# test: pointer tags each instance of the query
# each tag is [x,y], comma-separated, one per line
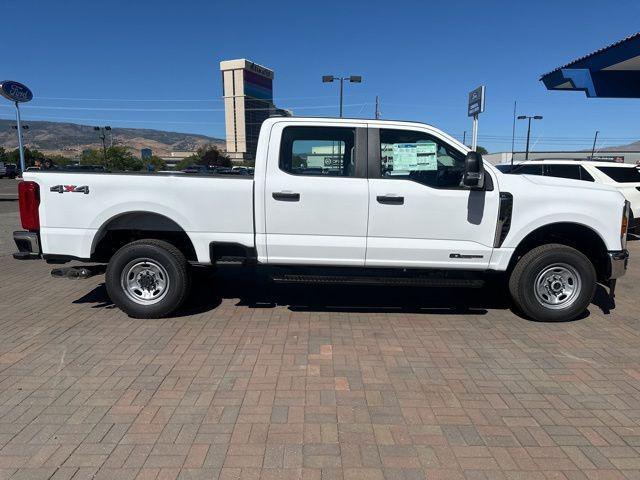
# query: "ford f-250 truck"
[335,200]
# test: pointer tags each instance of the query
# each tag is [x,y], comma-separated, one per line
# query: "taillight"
[29,199]
[624,228]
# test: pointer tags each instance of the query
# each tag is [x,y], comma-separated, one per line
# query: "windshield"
[622,174]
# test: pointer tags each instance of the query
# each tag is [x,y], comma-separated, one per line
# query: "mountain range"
[70,139]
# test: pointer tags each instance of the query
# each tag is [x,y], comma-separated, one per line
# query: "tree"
[92,157]
[30,156]
[119,158]
[155,162]
[481,150]
[207,155]
[3,155]
[210,156]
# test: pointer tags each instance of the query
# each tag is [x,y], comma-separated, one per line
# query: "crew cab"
[330,201]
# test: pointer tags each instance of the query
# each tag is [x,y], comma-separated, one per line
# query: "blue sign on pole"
[15,91]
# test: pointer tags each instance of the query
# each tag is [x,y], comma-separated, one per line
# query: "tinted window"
[622,174]
[529,170]
[417,156]
[584,175]
[324,151]
[521,169]
[563,171]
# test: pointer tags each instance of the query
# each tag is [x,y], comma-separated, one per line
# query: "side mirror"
[473,171]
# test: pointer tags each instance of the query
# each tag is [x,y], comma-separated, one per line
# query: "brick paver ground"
[368,388]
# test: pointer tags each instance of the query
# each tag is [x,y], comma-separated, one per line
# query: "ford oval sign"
[15,91]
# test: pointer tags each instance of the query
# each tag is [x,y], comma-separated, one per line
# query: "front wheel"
[553,283]
[148,278]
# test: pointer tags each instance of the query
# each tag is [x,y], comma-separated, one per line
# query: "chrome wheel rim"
[145,281]
[557,286]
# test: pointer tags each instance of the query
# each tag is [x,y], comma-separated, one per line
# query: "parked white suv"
[624,177]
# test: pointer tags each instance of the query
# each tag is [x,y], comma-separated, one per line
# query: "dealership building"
[248,101]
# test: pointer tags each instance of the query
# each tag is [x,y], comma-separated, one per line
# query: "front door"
[316,195]
[420,214]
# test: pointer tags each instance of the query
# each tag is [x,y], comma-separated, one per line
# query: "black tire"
[580,272]
[166,260]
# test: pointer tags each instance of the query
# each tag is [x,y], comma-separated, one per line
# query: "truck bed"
[207,208]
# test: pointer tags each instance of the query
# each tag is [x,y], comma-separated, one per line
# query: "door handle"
[286,196]
[390,200]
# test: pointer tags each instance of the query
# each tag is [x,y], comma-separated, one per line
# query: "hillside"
[631,147]
[70,139]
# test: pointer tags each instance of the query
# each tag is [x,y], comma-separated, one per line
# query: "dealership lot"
[324,383]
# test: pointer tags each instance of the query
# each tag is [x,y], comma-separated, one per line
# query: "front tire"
[148,278]
[553,283]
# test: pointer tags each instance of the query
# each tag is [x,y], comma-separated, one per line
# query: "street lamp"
[351,78]
[102,137]
[529,117]
[24,127]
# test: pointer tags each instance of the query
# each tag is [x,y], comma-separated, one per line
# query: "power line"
[116,109]
[158,100]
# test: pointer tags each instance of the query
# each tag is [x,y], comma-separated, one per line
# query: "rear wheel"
[148,278]
[553,283]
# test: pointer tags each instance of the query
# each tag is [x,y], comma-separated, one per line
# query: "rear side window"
[584,175]
[563,171]
[528,170]
[318,151]
[622,174]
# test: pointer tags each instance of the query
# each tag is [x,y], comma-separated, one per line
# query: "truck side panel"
[206,208]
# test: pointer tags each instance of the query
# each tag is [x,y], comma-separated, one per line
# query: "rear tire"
[148,278]
[553,283]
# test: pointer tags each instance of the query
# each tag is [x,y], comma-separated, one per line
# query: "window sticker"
[413,157]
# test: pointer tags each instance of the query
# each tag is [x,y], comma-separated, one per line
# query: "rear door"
[420,214]
[316,194]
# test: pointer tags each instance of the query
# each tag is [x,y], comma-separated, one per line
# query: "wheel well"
[580,237]
[132,226]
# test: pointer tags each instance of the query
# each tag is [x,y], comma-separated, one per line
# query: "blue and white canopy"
[611,72]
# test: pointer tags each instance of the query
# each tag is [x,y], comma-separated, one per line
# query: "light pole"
[103,137]
[351,78]
[529,117]
[24,127]
[595,139]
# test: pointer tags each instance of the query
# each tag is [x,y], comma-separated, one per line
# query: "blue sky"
[154,64]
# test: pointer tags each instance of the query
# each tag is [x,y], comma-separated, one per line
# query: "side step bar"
[371,280]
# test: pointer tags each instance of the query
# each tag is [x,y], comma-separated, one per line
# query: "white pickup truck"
[336,200]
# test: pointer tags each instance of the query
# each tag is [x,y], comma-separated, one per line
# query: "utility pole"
[377,108]
[593,149]
[513,131]
[464,137]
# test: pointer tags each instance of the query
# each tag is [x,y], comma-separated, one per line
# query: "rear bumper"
[618,261]
[28,244]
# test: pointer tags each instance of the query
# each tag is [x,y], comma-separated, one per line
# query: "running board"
[389,281]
